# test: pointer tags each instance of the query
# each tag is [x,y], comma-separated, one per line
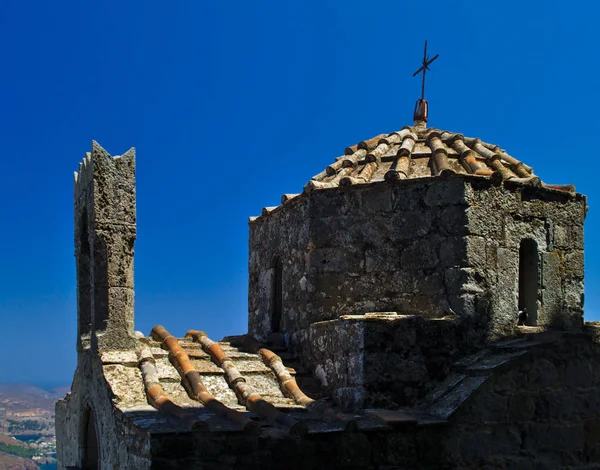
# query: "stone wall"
[363,249]
[498,219]
[121,445]
[363,449]
[379,248]
[429,247]
[283,235]
[542,413]
[386,361]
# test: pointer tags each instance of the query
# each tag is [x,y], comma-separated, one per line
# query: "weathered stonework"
[346,252]
[419,305]
[500,218]
[105,233]
[530,402]
[386,360]
[94,387]
[425,247]
[538,410]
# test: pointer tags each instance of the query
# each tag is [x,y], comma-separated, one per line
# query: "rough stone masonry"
[391,288]
[431,247]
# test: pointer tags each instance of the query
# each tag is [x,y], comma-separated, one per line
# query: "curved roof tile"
[418,152]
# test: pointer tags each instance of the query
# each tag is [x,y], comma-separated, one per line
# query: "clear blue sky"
[230,105]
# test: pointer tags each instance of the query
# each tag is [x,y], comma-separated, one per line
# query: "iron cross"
[424,68]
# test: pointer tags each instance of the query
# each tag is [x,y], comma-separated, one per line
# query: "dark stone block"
[543,375]
[592,439]
[353,451]
[334,203]
[489,407]
[421,254]
[446,193]
[409,224]
[521,408]
[407,196]
[176,446]
[386,258]
[376,199]
[394,450]
[578,373]
[337,260]
[543,436]
[392,367]
[453,220]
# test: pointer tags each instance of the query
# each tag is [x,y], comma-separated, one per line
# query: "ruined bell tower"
[105,233]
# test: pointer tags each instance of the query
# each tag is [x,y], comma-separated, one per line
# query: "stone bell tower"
[105,233]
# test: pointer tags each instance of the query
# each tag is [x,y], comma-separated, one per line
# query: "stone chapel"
[419,305]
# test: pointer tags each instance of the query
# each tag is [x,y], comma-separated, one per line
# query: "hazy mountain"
[22,397]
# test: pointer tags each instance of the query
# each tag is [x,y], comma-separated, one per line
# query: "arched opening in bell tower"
[528,279]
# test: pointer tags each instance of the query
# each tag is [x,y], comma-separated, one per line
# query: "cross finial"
[421,106]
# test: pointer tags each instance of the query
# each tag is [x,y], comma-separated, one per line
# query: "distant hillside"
[21,397]
[27,413]
[9,440]
[59,392]
[10,462]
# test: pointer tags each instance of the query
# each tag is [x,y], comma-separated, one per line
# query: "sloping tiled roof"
[193,381]
[417,152]
[181,379]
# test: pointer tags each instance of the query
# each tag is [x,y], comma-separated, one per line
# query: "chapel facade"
[418,305]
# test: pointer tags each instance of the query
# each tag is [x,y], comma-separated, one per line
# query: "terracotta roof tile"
[248,392]
[418,152]
[192,381]
[234,384]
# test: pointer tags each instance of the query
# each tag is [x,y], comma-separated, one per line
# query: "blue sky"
[230,105]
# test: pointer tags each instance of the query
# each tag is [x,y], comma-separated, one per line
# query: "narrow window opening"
[100,288]
[528,280]
[84,234]
[91,452]
[84,300]
[277,295]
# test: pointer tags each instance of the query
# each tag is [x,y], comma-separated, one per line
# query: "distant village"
[27,436]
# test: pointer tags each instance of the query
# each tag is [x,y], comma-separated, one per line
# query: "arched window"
[276,295]
[528,279]
[90,450]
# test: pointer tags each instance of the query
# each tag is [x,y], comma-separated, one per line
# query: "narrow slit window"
[84,300]
[528,280]
[277,295]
